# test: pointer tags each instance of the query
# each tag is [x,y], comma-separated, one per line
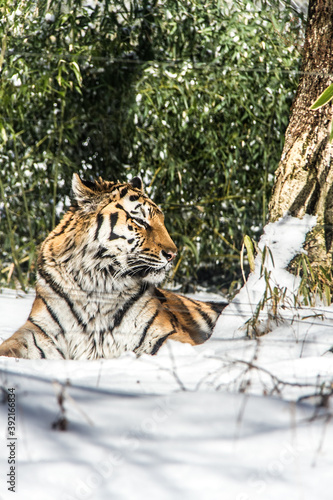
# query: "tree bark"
[304,178]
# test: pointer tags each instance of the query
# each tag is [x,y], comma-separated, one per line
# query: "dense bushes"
[193,96]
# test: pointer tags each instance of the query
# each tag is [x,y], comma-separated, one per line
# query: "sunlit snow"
[235,418]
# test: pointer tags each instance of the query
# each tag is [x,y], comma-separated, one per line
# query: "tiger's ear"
[82,191]
[136,182]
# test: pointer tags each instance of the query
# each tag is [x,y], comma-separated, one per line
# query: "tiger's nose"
[169,255]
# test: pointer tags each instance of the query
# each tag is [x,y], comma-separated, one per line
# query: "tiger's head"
[122,230]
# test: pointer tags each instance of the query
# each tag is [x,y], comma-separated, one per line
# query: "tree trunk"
[304,178]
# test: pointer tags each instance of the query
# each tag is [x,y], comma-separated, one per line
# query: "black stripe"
[100,254]
[195,330]
[192,323]
[52,314]
[114,236]
[59,291]
[134,197]
[100,220]
[162,298]
[65,225]
[84,250]
[184,310]
[123,192]
[121,312]
[160,295]
[71,247]
[123,209]
[217,307]
[160,342]
[202,313]
[45,335]
[145,331]
[68,250]
[114,219]
[107,272]
[42,353]
[136,245]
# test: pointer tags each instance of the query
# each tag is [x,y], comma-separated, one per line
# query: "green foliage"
[194,96]
[323,99]
[316,283]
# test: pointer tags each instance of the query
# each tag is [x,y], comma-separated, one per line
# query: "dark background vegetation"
[193,96]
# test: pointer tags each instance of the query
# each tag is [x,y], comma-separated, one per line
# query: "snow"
[284,240]
[236,418]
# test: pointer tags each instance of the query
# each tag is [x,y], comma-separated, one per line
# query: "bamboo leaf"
[327,291]
[250,251]
[190,245]
[324,98]
[77,72]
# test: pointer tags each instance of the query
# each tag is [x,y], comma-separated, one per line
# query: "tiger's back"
[98,271]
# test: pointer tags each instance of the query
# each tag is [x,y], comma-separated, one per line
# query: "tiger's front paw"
[13,349]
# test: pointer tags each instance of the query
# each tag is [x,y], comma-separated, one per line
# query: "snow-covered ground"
[236,418]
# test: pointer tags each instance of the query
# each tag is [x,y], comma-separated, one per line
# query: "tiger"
[98,272]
